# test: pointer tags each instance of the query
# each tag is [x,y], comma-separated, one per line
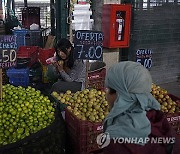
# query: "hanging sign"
[88,45]
[144,56]
[7,51]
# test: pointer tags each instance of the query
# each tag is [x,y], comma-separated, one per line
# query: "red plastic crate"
[96,79]
[30,52]
[174,119]
[82,134]
[44,54]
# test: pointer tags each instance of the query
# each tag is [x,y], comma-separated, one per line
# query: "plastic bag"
[34,27]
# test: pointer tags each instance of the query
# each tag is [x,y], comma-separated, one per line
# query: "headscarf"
[127,118]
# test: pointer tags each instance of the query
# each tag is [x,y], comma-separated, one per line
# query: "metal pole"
[8,3]
[25,3]
[8,8]
[52,10]
[13,6]
[61,18]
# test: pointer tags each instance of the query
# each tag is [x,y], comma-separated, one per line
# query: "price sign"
[7,54]
[88,45]
[7,51]
[144,56]
[8,42]
[7,58]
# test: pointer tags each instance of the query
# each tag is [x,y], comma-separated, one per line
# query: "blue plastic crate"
[18,77]
[21,36]
[34,38]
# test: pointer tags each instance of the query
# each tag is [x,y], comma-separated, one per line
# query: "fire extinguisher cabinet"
[116,25]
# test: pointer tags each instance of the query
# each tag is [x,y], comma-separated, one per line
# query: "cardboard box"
[50,42]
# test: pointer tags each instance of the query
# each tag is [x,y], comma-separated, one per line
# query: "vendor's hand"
[59,67]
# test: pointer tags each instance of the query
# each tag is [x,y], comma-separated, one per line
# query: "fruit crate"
[174,119]
[34,38]
[29,52]
[18,77]
[44,54]
[82,134]
[96,79]
[22,63]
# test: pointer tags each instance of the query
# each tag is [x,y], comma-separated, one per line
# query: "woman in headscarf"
[134,113]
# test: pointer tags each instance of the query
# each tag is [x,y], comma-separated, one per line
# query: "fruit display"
[88,104]
[23,111]
[167,104]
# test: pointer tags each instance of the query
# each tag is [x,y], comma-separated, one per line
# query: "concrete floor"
[172,88]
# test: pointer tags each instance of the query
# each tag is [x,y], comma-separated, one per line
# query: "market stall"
[31,120]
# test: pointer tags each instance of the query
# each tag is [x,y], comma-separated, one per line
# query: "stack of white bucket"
[82,20]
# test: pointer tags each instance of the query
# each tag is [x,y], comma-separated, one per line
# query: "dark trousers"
[62,86]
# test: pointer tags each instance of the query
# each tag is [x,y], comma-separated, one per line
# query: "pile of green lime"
[23,111]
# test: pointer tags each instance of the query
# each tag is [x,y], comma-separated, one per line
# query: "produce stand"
[174,119]
[30,122]
[95,79]
[84,116]
[49,140]
[82,133]
[82,123]
[170,105]
[81,129]
[36,124]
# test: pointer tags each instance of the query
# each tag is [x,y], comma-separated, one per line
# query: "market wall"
[157,29]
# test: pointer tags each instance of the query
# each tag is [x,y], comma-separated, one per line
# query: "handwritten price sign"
[7,51]
[88,45]
[144,56]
